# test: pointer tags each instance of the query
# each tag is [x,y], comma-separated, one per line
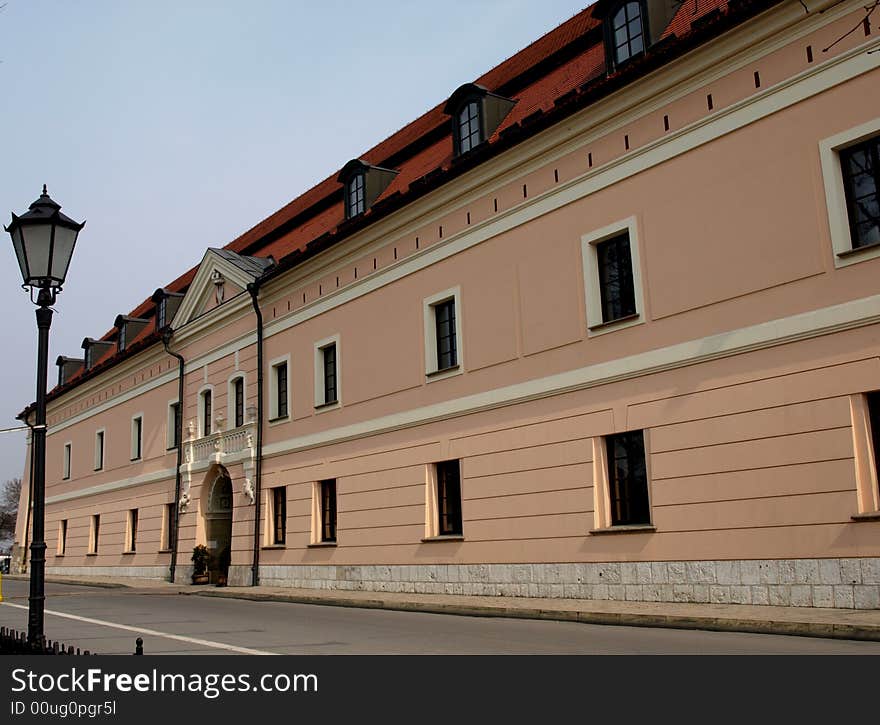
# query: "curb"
[621,619]
[76,582]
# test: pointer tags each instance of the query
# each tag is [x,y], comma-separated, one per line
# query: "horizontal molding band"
[166,473]
[804,326]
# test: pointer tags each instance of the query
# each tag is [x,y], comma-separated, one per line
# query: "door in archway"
[218,527]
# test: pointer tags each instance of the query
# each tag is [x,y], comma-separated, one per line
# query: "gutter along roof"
[558,75]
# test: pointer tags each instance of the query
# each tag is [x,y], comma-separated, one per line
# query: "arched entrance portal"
[218,525]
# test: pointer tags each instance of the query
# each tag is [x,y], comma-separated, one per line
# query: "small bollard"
[139,646]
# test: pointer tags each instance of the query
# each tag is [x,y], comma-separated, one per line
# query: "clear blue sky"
[173,126]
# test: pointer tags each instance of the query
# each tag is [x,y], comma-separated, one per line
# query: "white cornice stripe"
[804,326]
[154,383]
[747,111]
[167,473]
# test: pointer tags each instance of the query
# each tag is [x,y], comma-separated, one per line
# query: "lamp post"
[43,239]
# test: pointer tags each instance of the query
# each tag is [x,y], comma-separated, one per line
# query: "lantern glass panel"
[64,241]
[36,246]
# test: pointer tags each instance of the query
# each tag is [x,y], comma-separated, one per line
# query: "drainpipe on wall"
[166,339]
[253,289]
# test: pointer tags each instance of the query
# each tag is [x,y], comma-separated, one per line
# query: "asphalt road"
[107,621]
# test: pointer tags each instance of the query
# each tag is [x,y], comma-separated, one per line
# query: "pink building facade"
[603,325]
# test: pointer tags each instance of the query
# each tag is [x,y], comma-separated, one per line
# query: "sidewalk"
[801,621]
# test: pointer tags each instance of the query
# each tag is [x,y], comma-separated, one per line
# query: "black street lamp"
[43,239]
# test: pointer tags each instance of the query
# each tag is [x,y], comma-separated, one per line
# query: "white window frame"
[316,536]
[429,304]
[130,541]
[230,398]
[169,426]
[273,390]
[61,545]
[100,449]
[134,446]
[867,489]
[602,519]
[320,404]
[66,455]
[592,292]
[167,517]
[835,195]
[94,533]
[200,423]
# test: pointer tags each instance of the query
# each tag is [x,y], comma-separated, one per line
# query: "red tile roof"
[320,210]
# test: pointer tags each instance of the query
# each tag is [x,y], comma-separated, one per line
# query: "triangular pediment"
[222,276]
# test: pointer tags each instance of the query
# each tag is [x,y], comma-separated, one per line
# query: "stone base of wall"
[841,583]
[239,575]
[140,572]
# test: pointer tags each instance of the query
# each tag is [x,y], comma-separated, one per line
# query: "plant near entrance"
[200,557]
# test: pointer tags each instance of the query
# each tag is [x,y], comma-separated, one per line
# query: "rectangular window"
[449,498]
[65,463]
[99,450]
[860,166]
[443,343]
[447,350]
[206,413]
[137,430]
[238,393]
[281,389]
[329,355]
[173,437]
[168,528]
[612,277]
[627,479]
[94,533]
[62,538]
[616,286]
[873,400]
[131,530]
[279,514]
[328,510]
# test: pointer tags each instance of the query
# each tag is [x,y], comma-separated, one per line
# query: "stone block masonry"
[840,583]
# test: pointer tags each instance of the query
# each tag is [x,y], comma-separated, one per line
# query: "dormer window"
[469,134]
[627,32]
[94,350]
[166,306]
[362,184]
[354,196]
[129,328]
[67,368]
[476,114]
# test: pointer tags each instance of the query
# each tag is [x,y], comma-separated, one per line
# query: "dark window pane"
[444,317]
[175,422]
[449,498]
[330,374]
[628,32]
[206,410]
[469,134]
[281,387]
[861,178]
[279,506]
[239,402]
[616,287]
[356,196]
[628,479]
[874,416]
[134,530]
[328,510]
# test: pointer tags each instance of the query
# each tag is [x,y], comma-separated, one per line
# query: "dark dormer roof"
[252,266]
